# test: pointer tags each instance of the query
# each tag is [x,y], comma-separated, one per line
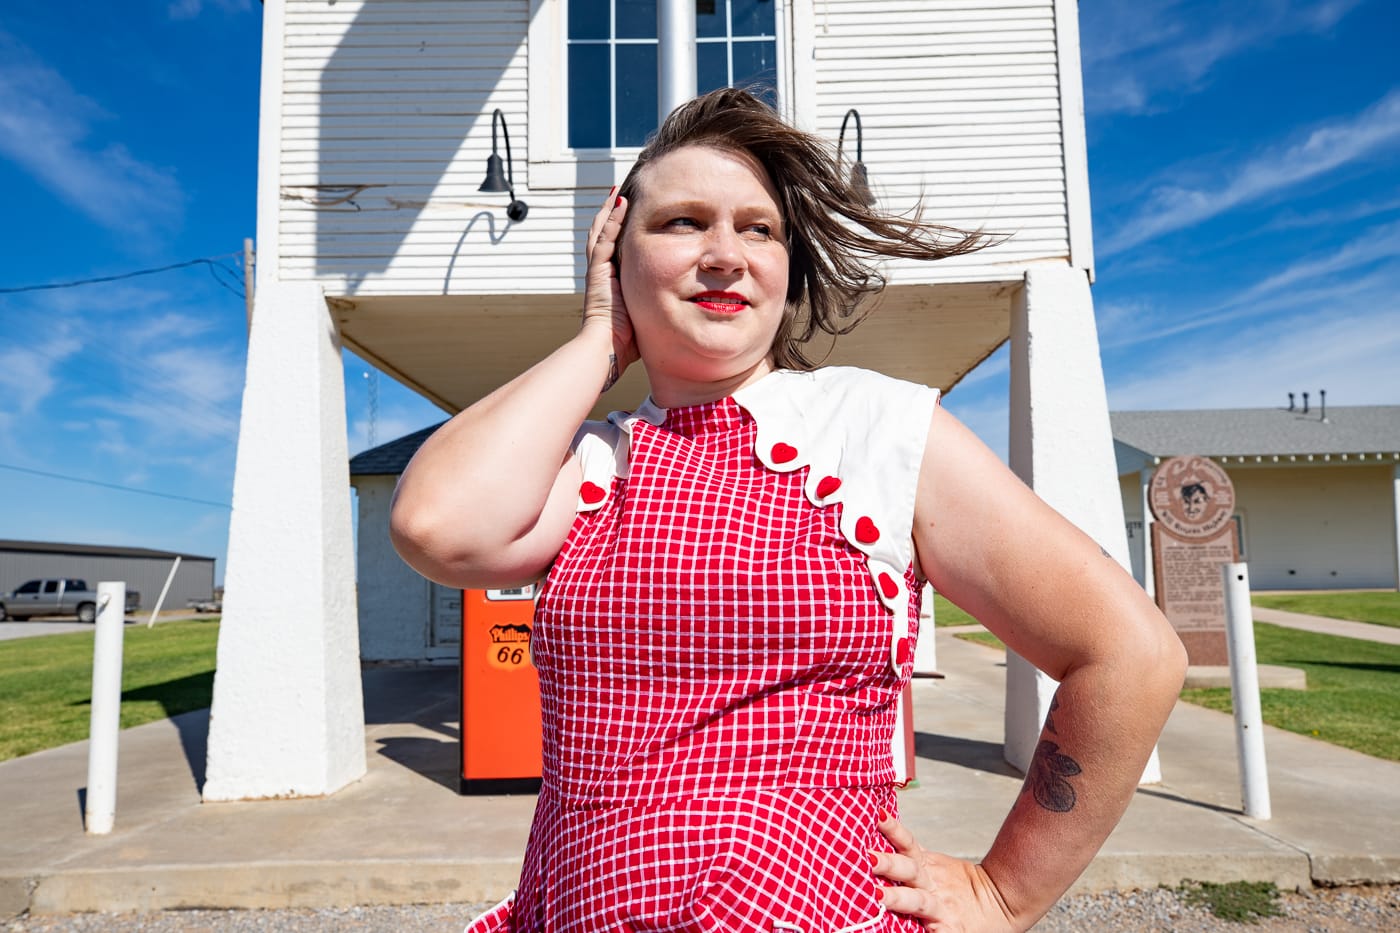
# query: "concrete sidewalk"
[1367,631]
[403,835]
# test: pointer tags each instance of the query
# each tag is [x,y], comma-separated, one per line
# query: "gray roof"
[389,459]
[1369,429]
[91,550]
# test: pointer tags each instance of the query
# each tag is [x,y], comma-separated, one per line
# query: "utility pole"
[249,258]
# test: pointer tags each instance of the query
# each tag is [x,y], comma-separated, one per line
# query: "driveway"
[58,625]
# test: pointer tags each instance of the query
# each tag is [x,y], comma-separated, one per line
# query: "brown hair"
[829,267]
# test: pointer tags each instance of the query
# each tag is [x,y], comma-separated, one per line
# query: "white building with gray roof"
[1317,489]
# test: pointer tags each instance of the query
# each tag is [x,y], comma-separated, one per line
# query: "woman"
[733,574]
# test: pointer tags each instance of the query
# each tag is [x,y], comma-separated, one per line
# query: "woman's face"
[704,272]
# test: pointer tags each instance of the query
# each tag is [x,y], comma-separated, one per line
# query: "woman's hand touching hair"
[603,304]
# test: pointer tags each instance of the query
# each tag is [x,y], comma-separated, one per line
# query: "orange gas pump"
[500,693]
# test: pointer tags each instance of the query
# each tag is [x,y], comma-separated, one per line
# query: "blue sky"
[1245,175]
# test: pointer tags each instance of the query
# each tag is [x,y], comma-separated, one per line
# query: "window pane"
[709,18]
[636,19]
[711,66]
[756,63]
[753,18]
[588,19]
[590,104]
[636,93]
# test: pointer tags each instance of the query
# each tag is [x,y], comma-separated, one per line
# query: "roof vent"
[1322,405]
[1305,403]
[1291,406]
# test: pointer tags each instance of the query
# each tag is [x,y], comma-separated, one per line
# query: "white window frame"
[551,163]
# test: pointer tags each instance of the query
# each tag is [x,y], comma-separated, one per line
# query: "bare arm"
[1055,597]
[489,498]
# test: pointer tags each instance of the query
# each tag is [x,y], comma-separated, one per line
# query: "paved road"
[59,625]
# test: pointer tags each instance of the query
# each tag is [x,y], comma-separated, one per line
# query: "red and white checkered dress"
[721,644]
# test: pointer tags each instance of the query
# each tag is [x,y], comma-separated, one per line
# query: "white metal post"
[675,62]
[101,803]
[163,590]
[1244,690]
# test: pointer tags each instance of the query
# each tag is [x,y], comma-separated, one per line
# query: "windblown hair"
[833,237]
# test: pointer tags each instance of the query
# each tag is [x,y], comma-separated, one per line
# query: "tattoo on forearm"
[1047,778]
[613,374]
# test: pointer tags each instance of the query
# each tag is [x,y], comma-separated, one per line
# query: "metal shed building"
[143,569]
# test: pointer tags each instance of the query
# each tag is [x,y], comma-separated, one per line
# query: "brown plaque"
[1193,501]
[1192,498]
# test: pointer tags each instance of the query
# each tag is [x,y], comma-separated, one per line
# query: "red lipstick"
[721,302]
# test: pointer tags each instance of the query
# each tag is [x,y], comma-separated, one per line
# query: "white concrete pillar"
[925,652]
[288,716]
[1061,445]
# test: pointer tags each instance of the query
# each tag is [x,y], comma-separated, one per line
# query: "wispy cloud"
[189,9]
[1139,55]
[1276,169]
[48,129]
[28,370]
[1364,270]
[1338,352]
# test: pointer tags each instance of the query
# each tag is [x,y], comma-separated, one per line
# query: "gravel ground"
[1324,910]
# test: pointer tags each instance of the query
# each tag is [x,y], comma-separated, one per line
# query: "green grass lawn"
[1353,695]
[1382,608]
[46,686]
[945,613]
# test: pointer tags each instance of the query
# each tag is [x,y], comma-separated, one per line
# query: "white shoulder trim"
[862,436]
[603,449]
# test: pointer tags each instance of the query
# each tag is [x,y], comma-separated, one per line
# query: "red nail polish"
[879,893]
[618,202]
[874,860]
[884,814]
[612,190]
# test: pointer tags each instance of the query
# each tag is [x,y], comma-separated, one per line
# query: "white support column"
[675,63]
[288,716]
[1062,446]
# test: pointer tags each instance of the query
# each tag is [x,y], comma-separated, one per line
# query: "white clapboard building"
[377,121]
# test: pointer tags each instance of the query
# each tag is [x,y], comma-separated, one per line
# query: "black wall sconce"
[501,177]
[860,179]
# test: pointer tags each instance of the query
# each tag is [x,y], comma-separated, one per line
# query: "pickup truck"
[58,596]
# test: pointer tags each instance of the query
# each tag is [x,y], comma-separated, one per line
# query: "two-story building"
[377,121]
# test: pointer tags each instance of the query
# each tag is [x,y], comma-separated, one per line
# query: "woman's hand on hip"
[603,304]
[944,893]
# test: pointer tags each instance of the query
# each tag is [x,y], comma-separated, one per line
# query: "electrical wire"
[203,261]
[93,482]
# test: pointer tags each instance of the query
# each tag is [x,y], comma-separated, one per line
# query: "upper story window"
[611,81]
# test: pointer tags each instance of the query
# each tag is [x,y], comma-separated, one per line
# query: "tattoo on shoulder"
[1050,716]
[1104,551]
[1047,779]
[613,374]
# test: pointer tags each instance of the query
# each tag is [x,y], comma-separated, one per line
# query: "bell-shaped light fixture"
[500,174]
[860,178]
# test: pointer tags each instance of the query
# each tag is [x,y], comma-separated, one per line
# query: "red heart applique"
[902,652]
[783,453]
[591,493]
[866,532]
[827,486]
[888,586]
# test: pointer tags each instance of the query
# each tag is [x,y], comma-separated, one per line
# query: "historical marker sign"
[1193,501]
